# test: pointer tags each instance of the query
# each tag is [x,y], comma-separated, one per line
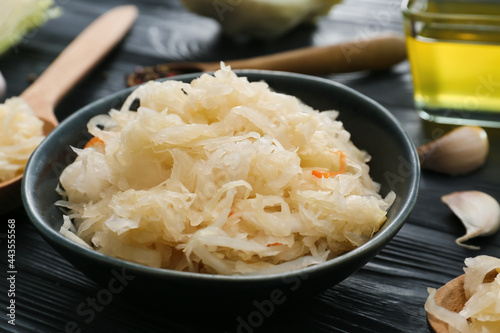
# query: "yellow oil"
[455,75]
[456,65]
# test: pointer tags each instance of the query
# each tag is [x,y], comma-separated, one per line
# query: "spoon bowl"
[451,296]
[81,55]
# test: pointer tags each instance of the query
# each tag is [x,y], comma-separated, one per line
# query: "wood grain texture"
[387,295]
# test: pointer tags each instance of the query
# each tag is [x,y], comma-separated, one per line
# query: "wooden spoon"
[376,53]
[76,60]
[452,297]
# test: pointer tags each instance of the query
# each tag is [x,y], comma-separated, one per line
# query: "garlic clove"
[478,211]
[458,152]
[3,86]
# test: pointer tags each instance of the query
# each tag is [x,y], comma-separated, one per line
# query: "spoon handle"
[365,54]
[77,59]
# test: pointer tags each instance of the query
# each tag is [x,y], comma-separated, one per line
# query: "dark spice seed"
[31,77]
[135,104]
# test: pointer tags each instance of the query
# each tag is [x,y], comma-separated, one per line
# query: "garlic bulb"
[460,151]
[264,19]
[478,211]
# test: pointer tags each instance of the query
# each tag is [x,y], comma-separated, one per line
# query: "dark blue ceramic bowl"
[394,164]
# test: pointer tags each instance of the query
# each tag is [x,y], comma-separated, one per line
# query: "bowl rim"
[381,237]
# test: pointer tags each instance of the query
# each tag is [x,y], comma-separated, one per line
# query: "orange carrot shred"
[274,244]
[327,174]
[95,143]
[320,173]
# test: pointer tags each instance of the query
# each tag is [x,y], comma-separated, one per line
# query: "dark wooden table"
[387,295]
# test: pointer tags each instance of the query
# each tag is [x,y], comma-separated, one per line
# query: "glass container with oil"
[454,52]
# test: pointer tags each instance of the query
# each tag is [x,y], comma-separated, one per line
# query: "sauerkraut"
[20,134]
[220,175]
[481,312]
